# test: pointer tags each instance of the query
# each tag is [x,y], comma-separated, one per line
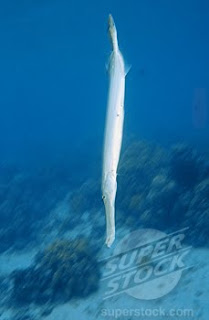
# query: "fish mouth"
[110,239]
[110,223]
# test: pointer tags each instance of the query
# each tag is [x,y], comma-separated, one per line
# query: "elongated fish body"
[113,132]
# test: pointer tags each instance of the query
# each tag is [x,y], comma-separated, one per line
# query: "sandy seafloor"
[191,293]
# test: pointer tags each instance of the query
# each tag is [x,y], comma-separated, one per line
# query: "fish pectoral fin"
[127,68]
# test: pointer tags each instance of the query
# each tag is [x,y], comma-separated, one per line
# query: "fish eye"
[103,197]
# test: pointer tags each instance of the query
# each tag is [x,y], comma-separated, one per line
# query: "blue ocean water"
[54,86]
[54,81]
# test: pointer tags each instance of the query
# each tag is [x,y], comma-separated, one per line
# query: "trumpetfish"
[113,131]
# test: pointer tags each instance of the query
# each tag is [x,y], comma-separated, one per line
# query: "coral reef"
[63,270]
[158,188]
[164,190]
[139,165]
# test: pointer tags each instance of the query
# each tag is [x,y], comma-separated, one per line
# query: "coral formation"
[140,164]
[164,190]
[64,270]
[158,188]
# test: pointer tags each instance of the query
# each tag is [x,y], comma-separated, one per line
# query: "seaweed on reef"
[64,270]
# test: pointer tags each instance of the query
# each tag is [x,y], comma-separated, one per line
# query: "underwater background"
[54,86]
